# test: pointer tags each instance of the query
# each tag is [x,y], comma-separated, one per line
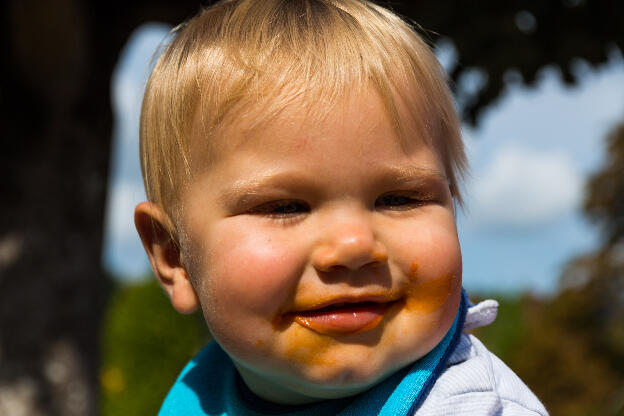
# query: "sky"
[530,157]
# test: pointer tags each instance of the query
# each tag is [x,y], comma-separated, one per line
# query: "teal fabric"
[207,386]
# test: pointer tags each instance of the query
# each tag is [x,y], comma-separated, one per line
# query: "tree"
[572,351]
[58,57]
[522,35]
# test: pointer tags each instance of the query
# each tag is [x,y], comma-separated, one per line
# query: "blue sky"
[530,157]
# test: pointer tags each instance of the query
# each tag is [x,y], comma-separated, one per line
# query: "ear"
[156,232]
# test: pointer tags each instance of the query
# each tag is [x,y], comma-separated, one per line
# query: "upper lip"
[346,300]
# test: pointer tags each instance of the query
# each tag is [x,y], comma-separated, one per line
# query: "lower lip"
[345,320]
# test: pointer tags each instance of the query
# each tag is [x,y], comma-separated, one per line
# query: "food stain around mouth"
[324,326]
[308,348]
[344,320]
[427,295]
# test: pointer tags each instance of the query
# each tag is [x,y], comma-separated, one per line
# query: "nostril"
[335,268]
[351,257]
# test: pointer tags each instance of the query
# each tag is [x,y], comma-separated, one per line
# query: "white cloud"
[124,254]
[134,66]
[127,93]
[522,188]
[124,197]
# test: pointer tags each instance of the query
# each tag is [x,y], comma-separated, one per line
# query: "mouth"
[344,318]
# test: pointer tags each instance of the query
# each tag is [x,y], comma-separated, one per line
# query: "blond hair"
[265,54]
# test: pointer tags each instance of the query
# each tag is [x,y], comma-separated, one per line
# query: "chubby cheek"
[248,278]
[429,259]
[433,270]
[254,268]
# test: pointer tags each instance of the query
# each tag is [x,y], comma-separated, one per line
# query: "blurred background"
[85,329]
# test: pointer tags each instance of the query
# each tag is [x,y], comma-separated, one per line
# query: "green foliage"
[564,363]
[145,344]
[604,202]
[507,333]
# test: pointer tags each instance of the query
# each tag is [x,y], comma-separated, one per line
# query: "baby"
[302,162]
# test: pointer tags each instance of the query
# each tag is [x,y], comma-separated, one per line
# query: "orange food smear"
[309,348]
[380,257]
[427,295]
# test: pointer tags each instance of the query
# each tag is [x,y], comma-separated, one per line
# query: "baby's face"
[326,253]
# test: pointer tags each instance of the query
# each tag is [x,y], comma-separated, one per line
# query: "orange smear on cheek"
[427,295]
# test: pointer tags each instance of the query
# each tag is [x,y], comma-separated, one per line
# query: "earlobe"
[155,229]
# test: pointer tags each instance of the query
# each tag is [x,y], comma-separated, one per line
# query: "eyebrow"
[411,173]
[245,191]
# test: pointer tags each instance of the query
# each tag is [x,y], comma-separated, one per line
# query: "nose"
[351,244]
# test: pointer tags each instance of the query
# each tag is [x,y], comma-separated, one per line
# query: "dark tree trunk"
[57,60]
[56,136]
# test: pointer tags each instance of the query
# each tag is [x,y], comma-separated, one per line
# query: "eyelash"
[400,202]
[288,211]
[284,211]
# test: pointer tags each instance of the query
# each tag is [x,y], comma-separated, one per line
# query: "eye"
[282,209]
[398,201]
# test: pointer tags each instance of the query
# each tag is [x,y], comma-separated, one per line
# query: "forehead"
[296,121]
[352,151]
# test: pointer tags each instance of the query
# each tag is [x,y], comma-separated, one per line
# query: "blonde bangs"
[246,58]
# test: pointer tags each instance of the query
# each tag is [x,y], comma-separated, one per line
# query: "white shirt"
[476,382]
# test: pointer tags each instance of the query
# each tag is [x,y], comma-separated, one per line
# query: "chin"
[336,390]
[343,381]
